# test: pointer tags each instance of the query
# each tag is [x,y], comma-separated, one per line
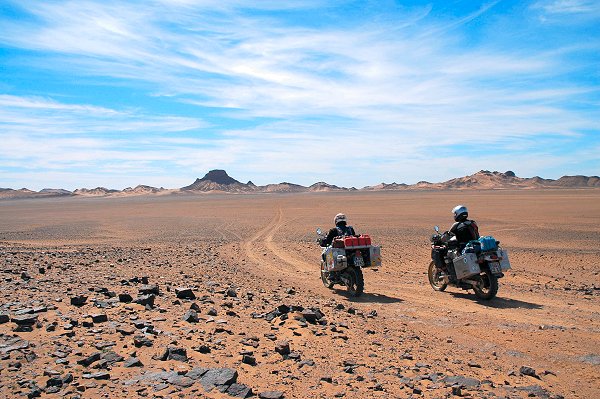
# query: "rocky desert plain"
[218,296]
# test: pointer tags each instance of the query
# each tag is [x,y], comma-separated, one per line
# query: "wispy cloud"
[388,87]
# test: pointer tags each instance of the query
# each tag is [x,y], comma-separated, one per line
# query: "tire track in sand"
[265,237]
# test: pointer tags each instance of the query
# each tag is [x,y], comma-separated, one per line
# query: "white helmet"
[340,217]
[458,211]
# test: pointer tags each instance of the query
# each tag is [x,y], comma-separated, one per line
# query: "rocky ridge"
[218,181]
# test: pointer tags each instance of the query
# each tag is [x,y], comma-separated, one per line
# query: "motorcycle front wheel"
[487,287]
[435,279]
[356,282]
[325,277]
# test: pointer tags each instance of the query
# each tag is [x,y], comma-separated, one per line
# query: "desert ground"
[93,303]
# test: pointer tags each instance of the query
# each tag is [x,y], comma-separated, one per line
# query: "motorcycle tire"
[488,286]
[325,277]
[356,282]
[433,273]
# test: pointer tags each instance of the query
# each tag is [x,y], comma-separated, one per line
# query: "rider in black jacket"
[341,229]
[464,229]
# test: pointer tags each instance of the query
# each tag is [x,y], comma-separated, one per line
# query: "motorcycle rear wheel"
[325,277]
[434,277]
[487,287]
[356,281]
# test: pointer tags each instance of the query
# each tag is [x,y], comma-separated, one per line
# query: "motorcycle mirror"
[319,231]
[436,228]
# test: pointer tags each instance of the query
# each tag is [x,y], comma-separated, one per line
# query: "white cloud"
[389,92]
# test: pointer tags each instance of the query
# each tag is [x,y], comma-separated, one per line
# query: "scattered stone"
[94,357]
[231,292]
[239,391]
[4,318]
[99,318]
[141,340]
[102,375]
[218,377]
[247,359]
[132,362]
[283,348]
[126,298]
[271,395]
[171,353]
[25,319]
[191,316]
[79,300]
[184,293]
[149,289]
[526,370]
[145,300]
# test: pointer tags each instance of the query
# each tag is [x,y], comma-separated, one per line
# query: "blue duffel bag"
[488,243]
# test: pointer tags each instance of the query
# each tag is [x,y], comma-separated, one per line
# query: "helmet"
[460,211]
[340,217]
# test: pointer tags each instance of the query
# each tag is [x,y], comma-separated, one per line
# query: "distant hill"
[218,181]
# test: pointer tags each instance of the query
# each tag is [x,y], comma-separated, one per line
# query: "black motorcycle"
[477,266]
[342,261]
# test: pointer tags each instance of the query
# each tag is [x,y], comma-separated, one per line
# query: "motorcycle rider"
[464,229]
[341,229]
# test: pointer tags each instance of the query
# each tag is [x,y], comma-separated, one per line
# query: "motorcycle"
[342,261]
[477,266]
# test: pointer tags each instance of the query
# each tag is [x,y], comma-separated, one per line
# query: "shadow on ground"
[368,297]
[498,303]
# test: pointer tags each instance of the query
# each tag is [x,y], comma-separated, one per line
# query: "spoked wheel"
[325,277]
[356,282]
[435,277]
[487,288]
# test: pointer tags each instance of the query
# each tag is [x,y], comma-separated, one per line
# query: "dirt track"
[546,316]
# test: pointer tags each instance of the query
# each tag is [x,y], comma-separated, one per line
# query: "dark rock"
[54,382]
[145,300]
[4,318]
[310,316]
[68,378]
[271,395]
[94,357]
[218,377]
[99,318]
[79,300]
[196,373]
[283,348]
[184,293]
[203,349]
[181,381]
[111,357]
[231,293]
[247,359]
[141,340]
[212,312]
[171,353]
[132,362]
[526,370]
[239,391]
[125,298]
[466,382]
[191,316]
[25,319]
[101,375]
[149,289]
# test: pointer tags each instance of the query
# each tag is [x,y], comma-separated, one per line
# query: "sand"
[400,339]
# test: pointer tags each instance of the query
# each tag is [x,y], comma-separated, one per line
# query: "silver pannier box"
[504,262]
[335,259]
[466,265]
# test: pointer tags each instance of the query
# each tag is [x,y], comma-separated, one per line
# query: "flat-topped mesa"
[219,180]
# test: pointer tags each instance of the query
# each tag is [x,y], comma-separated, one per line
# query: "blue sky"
[119,93]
